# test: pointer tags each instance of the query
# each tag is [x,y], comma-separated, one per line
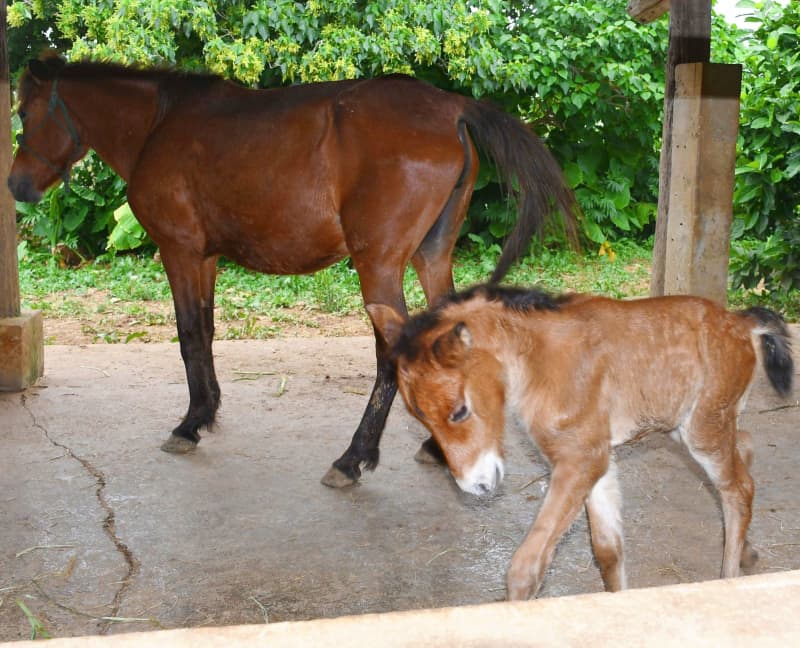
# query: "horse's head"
[49,143]
[455,389]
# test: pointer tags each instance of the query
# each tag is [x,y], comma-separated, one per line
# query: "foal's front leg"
[570,483]
[192,281]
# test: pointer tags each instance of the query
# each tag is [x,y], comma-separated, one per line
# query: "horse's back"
[302,173]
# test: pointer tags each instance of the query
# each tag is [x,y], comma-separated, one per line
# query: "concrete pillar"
[21,340]
[705,124]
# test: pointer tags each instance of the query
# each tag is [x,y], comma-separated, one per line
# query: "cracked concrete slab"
[241,531]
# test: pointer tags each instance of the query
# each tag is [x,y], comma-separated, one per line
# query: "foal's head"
[455,389]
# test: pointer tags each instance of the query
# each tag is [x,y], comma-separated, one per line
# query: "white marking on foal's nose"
[484,475]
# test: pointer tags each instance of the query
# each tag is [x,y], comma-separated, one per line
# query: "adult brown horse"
[284,181]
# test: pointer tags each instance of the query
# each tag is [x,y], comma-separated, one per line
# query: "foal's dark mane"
[522,300]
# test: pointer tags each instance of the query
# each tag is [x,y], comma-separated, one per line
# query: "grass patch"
[256,304]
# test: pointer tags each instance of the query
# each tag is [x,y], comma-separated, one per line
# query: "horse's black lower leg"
[196,337]
[363,449]
[192,283]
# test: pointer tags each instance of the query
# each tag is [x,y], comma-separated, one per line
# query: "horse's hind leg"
[192,281]
[433,263]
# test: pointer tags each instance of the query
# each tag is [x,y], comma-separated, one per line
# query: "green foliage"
[80,217]
[766,204]
[587,78]
[582,73]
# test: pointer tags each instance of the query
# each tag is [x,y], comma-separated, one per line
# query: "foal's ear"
[387,321]
[452,347]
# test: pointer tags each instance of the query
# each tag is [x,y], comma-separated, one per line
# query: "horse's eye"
[459,414]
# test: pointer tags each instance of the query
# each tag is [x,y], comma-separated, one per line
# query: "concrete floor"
[96,522]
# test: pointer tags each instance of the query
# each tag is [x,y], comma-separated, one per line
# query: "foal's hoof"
[178,445]
[335,478]
[749,556]
[430,454]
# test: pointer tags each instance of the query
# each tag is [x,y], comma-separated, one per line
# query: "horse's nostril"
[483,489]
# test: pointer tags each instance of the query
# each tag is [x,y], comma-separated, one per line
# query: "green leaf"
[593,231]
[573,174]
[621,220]
[74,217]
[128,234]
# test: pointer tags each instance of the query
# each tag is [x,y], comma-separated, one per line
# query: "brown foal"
[585,374]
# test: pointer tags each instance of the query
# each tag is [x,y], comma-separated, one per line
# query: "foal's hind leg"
[192,281]
[744,444]
[712,441]
[603,507]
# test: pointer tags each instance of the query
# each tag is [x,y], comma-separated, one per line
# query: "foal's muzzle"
[484,476]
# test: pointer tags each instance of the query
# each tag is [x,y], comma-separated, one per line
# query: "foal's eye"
[459,414]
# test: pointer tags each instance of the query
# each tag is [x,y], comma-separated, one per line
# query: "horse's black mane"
[52,67]
[522,300]
[96,70]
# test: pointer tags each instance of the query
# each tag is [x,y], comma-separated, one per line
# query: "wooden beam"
[689,42]
[9,273]
[646,11]
[705,126]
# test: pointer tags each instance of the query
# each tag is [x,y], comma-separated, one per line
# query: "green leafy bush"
[767,194]
[580,72]
[79,217]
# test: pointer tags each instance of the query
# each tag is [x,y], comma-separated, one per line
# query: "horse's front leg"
[192,278]
[381,283]
[363,448]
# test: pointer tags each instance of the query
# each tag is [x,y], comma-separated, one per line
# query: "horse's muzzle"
[22,189]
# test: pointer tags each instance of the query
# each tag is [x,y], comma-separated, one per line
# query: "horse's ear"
[452,347]
[40,70]
[387,321]
[46,68]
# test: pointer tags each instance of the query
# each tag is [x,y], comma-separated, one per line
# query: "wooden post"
[9,276]
[689,42]
[21,339]
[703,160]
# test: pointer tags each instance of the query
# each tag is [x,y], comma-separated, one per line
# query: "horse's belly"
[280,243]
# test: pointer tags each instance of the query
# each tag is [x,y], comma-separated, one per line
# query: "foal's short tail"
[776,347]
[527,169]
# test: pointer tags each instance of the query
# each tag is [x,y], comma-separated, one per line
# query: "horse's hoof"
[335,478]
[178,445]
[430,454]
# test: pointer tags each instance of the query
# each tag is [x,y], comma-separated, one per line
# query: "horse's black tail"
[776,347]
[528,170]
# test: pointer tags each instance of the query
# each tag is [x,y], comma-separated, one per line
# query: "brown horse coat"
[284,181]
[586,374]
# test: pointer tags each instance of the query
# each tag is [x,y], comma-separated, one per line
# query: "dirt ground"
[100,532]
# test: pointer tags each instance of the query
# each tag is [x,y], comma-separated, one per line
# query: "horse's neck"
[115,118]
